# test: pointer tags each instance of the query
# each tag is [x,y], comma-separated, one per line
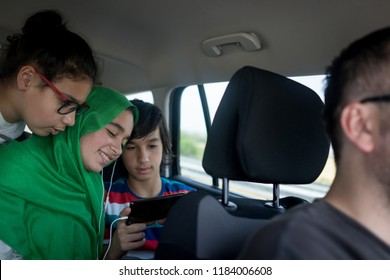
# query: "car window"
[146,96]
[193,136]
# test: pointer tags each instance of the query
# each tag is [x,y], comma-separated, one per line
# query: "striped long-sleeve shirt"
[120,197]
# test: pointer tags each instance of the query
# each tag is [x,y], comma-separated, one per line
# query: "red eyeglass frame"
[80,108]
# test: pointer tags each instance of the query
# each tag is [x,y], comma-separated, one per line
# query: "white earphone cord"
[105,207]
[109,243]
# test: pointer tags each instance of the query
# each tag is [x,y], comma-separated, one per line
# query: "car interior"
[247,142]
[267,129]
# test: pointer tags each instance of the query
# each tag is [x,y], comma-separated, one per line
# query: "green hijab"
[51,207]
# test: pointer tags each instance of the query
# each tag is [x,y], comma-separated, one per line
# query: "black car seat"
[267,129]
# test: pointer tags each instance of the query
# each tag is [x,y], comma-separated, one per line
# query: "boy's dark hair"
[359,71]
[47,44]
[151,118]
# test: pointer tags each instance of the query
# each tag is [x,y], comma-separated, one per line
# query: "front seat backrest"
[199,227]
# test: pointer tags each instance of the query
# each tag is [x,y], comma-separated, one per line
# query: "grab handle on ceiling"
[248,41]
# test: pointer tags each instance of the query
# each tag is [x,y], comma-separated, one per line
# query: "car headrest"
[267,128]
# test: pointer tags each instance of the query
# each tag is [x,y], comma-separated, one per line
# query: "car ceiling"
[153,44]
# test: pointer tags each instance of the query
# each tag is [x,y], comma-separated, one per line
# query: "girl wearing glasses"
[51,192]
[46,74]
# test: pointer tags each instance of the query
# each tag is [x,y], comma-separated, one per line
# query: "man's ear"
[357,124]
[24,77]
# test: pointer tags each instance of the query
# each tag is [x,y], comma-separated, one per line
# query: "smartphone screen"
[151,209]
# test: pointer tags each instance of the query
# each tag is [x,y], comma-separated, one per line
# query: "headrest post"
[275,203]
[276,195]
[230,206]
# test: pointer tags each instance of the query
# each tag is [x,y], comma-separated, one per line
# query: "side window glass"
[193,132]
[193,135]
[146,96]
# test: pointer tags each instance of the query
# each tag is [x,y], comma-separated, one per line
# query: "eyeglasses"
[382,98]
[68,105]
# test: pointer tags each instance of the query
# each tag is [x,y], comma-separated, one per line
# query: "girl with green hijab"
[51,192]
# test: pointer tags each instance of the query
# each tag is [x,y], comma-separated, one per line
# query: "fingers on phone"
[125,212]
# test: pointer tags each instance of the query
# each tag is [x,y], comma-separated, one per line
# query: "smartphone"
[151,209]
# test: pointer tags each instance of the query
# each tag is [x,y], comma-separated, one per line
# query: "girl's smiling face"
[101,147]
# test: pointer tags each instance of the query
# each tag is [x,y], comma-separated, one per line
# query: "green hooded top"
[51,207]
